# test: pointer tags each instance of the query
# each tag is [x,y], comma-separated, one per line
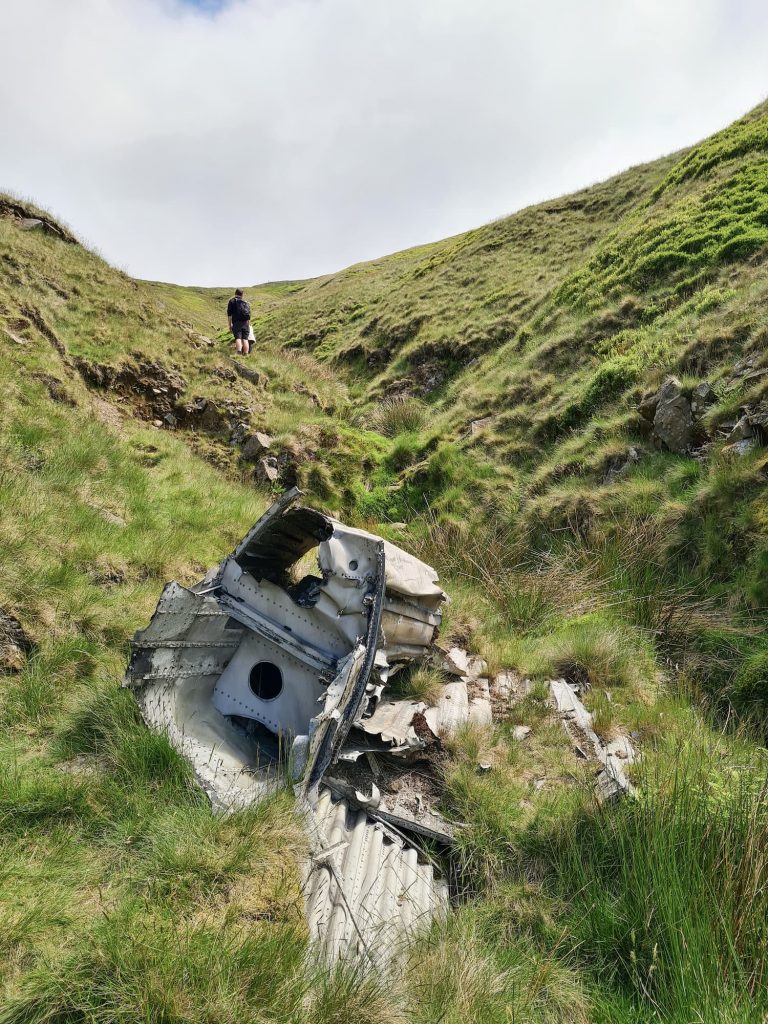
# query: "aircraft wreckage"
[259,670]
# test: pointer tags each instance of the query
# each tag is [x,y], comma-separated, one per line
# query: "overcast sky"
[233,142]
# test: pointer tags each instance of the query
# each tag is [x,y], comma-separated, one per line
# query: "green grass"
[124,898]
[670,907]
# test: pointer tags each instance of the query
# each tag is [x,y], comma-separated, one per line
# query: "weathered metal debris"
[258,670]
[614,755]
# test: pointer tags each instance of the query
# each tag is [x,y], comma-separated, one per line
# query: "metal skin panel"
[287,714]
[366,891]
[319,626]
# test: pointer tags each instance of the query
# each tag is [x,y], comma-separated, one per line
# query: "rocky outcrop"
[30,220]
[154,389]
[673,423]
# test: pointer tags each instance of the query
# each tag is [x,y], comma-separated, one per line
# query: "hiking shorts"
[241,331]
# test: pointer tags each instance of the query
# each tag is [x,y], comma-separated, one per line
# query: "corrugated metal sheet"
[365,891]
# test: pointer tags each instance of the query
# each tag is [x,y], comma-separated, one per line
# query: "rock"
[483,768]
[456,662]
[522,732]
[647,407]
[267,470]
[261,380]
[256,445]
[740,447]
[702,398]
[622,468]
[758,419]
[15,645]
[503,685]
[14,337]
[157,423]
[741,431]
[204,414]
[673,422]
[30,224]
[239,433]
[170,420]
[477,425]
[224,373]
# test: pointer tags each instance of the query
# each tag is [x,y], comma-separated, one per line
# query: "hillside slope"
[492,402]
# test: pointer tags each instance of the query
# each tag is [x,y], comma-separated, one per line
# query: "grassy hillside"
[476,400]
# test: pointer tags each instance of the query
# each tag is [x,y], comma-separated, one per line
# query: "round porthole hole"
[265,680]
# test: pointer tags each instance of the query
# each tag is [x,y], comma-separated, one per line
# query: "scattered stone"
[740,447]
[205,415]
[702,398]
[758,419]
[741,431]
[15,337]
[224,373]
[522,732]
[256,445]
[157,423]
[21,215]
[267,470]
[647,407]
[456,662]
[483,768]
[503,685]
[171,420]
[480,711]
[152,388]
[254,376]
[239,433]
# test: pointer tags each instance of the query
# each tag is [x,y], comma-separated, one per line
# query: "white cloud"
[284,138]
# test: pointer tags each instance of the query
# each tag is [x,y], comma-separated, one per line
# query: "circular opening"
[265,680]
[353,564]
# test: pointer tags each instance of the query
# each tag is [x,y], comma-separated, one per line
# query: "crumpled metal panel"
[393,721]
[614,756]
[330,643]
[366,891]
[175,663]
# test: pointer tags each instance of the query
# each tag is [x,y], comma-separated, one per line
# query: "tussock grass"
[399,415]
[670,904]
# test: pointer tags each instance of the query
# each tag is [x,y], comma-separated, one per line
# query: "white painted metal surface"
[366,891]
[614,756]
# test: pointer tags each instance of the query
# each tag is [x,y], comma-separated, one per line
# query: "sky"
[226,142]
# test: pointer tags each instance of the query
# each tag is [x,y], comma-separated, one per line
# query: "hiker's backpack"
[241,310]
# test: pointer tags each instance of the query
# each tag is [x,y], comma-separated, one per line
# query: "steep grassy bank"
[476,400]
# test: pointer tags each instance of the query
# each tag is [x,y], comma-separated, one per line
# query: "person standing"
[239,316]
